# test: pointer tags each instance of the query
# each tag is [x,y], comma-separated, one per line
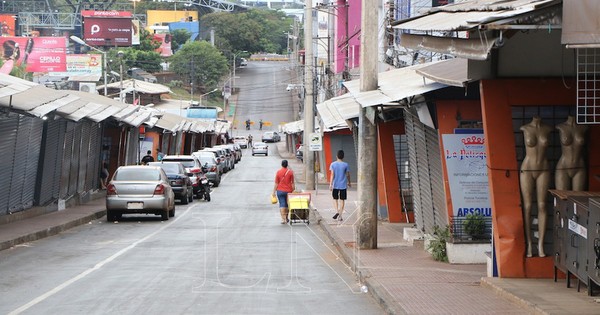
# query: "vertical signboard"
[467,174]
[107,28]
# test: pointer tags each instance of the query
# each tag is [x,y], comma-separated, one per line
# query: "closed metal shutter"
[75,161]
[66,161]
[8,129]
[50,180]
[95,150]
[426,174]
[83,155]
[133,151]
[346,143]
[35,128]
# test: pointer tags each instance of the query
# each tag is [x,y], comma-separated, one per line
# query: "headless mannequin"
[570,169]
[535,178]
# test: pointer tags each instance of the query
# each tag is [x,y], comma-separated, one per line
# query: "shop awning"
[293,127]
[139,87]
[395,85]
[335,111]
[580,24]
[453,72]
[469,20]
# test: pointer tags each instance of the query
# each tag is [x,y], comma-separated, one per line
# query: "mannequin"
[535,178]
[570,169]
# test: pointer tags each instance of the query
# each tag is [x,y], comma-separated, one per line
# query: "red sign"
[107,30]
[38,54]
[165,44]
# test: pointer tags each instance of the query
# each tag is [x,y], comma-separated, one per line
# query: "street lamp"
[120,55]
[81,42]
[206,94]
[233,78]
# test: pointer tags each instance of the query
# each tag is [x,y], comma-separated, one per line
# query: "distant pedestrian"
[339,182]
[284,184]
[159,155]
[147,158]
[260,124]
[104,175]
[249,140]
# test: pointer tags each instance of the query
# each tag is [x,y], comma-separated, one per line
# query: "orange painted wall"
[447,112]
[497,97]
[388,186]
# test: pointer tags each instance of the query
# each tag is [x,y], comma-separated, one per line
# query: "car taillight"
[111,190]
[159,190]
[179,181]
[213,168]
[195,170]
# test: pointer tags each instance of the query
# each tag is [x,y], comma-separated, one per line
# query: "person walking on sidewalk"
[284,184]
[339,182]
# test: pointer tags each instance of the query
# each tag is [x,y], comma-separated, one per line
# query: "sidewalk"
[401,276]
[404,278]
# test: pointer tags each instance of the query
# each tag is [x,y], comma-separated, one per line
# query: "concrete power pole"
[366,234]
[309,116]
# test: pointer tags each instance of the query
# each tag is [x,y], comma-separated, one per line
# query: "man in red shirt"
[284,184]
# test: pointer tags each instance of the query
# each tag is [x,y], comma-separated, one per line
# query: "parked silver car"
[209,162]
[271,136]
[139,189]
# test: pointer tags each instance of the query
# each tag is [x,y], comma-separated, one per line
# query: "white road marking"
[99,265]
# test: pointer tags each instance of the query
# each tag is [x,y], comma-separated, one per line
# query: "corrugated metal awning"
[335,111]
[139,87]
[453,72]
[395,85]
[293,127]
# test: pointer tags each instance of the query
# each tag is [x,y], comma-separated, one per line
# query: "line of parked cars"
[153,188]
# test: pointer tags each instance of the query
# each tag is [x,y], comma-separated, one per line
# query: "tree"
[178,38]
[255,30]
[202,63]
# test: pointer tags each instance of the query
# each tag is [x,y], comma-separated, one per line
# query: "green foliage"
[437,246]
[134,58]
[147,41]
[175,84]
[201,63]
[474,225]
[178,38]
[254,30]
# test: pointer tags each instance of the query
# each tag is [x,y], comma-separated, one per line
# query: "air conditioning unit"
[88,87]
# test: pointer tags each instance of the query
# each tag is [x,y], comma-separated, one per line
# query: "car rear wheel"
[184,199]
[165,215]
[190,196]
[172,212]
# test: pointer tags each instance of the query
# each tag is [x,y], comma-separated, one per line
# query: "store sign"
[466,167]
[37,54]
[81,65]
[315,142]
[107,28]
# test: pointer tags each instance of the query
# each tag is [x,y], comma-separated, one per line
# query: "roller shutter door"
[8,129]
[66,161]
[51,170]
[84,152]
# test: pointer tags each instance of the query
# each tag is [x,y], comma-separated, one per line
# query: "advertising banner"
[135,35]
[107,28]
[7,25]
[467,174]
[81,65]
[37,54]
[165,44]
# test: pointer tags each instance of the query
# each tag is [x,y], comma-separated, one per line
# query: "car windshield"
[185,161]
[125,174]
[169,168]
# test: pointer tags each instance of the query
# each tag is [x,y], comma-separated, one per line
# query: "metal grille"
[426,174]
[403,166]
[588,85]
[457,227]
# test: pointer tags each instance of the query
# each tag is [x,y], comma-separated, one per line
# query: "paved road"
[229,256]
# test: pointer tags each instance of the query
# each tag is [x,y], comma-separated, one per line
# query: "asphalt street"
[227,256]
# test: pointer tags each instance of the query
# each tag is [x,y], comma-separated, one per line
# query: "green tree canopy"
[202,63]
[255,30]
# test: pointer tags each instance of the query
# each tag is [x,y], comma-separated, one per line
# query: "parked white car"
[242,141]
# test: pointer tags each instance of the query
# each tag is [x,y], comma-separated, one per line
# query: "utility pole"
[309,116]
[366,234]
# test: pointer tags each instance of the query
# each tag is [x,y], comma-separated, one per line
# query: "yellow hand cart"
[299,207]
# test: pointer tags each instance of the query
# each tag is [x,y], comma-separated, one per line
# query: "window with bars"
[588,85]
[402,160]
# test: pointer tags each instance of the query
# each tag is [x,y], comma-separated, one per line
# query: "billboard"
[107,28]
[165,44]
[37,54]
[7,25]
[81,65]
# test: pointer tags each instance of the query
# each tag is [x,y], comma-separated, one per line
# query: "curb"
[379,293]
[528,306]
[53,230]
